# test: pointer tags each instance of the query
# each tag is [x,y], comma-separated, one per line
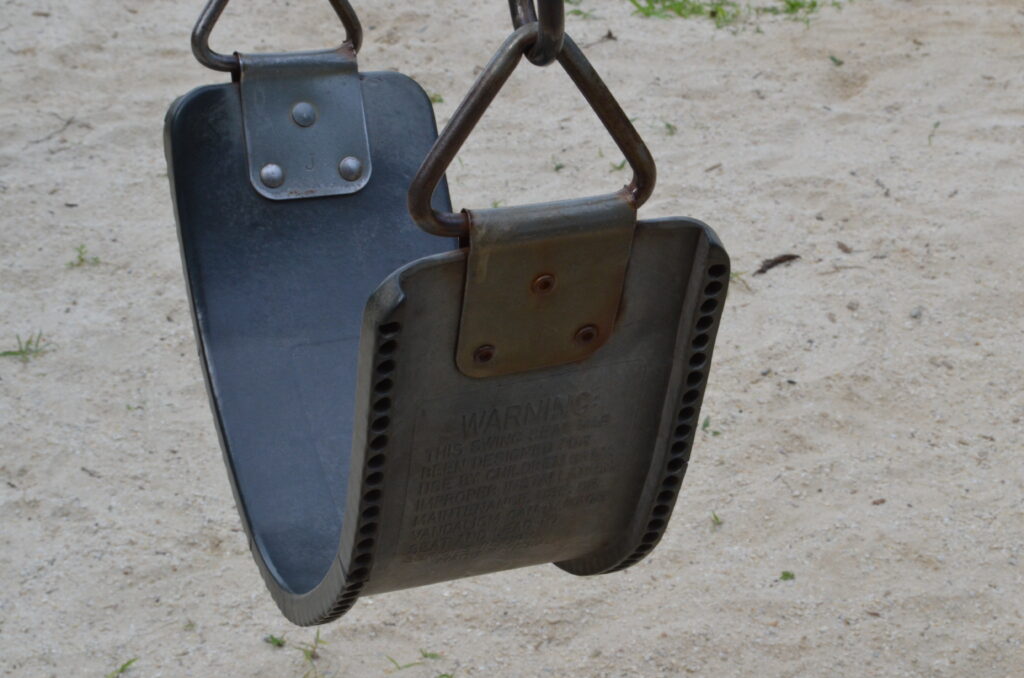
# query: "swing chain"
[223,62]
[550,19]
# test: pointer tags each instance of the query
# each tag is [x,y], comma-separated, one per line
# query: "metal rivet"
[350,168]
[304,114]
[484,354]
[272,175]
[586,334]
[543,283]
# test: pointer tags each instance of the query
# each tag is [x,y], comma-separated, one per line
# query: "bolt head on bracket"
[304,125]
[543,284]
[304,114]
[350,168]
[272,175]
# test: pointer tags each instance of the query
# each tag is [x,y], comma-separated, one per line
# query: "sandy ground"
[867,401]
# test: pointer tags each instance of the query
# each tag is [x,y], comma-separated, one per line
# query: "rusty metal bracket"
[305,129]
[543,283]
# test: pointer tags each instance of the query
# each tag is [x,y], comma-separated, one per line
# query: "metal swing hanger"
[223,62]
[304,118]
[483,92]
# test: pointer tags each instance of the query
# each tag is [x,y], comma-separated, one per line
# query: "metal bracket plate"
[543,284]
[305,129]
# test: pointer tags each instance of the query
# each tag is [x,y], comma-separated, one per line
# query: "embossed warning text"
[504,476]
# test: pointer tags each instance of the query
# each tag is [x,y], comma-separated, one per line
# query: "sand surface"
[867,398]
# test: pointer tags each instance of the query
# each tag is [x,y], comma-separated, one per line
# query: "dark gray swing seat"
[395,408]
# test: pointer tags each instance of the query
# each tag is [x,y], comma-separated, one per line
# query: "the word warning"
[507,477]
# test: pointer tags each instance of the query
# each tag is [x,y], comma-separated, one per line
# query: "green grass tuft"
[722,12]
[311,653]
[402,667]
[727,12]
[82,258]
[274,641]
[122,668]
[576,11]
[28,349]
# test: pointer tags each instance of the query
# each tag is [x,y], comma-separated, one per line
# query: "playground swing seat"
[406,395]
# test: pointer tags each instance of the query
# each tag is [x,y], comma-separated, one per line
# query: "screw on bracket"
[543,283]
[586,334]
[272,175]
[304,114]
[484,354]
[350,168]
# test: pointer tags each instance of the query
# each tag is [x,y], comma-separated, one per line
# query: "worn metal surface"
[578,465]
[543,283]
[472,108]
[223,62]
[324,88]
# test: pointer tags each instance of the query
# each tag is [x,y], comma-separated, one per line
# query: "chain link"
[551,24]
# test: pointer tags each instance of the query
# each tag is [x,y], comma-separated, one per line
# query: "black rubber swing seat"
[364,456]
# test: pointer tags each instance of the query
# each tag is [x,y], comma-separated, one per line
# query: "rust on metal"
[587,334]
[484,354]
[528,321]
[543,283]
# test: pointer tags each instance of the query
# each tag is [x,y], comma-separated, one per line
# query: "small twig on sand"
[604,38]
[769,264]
[67,123]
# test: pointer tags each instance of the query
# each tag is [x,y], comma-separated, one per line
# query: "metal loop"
[481,95]
[551,21]
[222,62]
